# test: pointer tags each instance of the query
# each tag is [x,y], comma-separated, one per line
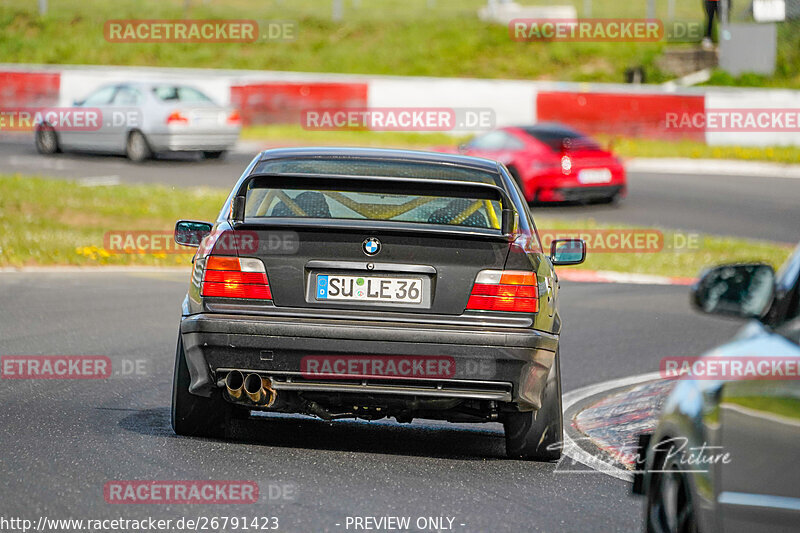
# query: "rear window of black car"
[348,166]
[386,206]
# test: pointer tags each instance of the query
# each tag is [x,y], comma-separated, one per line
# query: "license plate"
[205,118]
[369,289]
[594,175]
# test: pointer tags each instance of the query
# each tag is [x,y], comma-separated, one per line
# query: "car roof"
[149,84]
[551,127]
[385,154]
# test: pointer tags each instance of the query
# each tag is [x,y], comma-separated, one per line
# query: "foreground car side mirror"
[191,232]
[743,291]
[568,251]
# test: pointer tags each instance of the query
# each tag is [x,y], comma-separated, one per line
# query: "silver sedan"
[140,120]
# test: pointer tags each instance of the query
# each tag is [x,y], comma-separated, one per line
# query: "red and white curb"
[607,276]
[572,449]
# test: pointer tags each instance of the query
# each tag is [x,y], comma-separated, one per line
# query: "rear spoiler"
[435,187]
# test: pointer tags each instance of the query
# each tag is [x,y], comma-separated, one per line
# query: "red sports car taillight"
[235,277]
[505,290]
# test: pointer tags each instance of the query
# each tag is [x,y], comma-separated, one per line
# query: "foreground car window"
[470,212]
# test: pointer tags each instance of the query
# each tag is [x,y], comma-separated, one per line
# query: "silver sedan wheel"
[137,148]
[46,141]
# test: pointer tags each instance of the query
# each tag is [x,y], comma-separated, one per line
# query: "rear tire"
[137,148]
[192,415]
[216,154]
[538,435]
[46,140]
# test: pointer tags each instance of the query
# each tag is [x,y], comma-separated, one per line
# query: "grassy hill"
[400,37]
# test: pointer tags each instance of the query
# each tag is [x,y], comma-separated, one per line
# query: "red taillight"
[235,277]
[234,117]
[505,290]
[176,117]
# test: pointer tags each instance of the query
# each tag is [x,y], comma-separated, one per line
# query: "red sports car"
[553,163]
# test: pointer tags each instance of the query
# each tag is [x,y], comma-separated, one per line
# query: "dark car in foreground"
[553,163]
[724,456]
[364,283]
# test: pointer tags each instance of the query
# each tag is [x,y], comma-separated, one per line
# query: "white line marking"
[38,162]
[99,181]
[571,449]
[714,167]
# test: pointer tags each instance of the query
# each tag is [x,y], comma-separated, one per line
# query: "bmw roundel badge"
[371,246]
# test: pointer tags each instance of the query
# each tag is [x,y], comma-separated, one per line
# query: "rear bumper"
[579,194]
[504,364]
[557,187]
[192,141]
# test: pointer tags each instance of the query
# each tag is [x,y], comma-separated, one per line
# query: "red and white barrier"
[279,97]
[619,113]
[23,89]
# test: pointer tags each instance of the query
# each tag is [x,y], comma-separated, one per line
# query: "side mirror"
[568,251]
[743,291]
[191,232]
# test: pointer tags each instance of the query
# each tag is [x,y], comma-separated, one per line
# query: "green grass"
[787,407]
[286,135]
[630,147]
[58,222]
[684,254]
[412,37]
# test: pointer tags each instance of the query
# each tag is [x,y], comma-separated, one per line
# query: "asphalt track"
[62,440]
[754,207]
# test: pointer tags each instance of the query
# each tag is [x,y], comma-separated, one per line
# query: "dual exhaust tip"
[257,389]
